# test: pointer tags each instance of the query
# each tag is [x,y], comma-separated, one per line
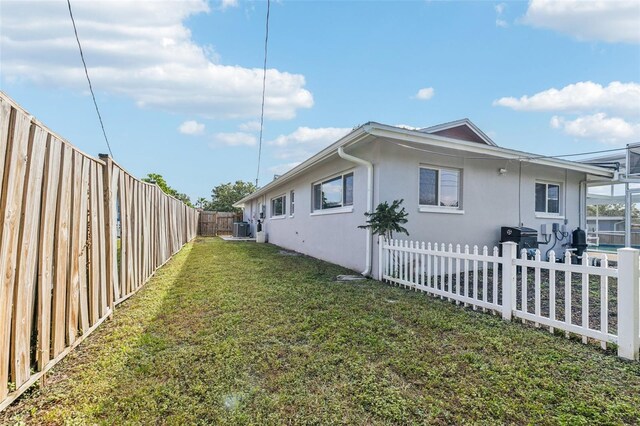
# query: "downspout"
[369,166]
[582,205]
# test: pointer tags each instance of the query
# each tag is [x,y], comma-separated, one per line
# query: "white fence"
[596,302]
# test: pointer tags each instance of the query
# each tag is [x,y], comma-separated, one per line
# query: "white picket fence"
[596,302]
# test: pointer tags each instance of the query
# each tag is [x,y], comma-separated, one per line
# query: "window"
[292,203]
[333,193]
[547,198]
[440,187]
[278,206]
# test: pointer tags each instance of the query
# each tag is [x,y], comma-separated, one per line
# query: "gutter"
[384,131]
[369,241]
[390,132]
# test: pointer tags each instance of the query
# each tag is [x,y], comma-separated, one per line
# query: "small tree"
[201,203]
[159,180]
[225,195]
[387,219]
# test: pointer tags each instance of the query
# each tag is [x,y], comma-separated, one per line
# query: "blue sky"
[179,82]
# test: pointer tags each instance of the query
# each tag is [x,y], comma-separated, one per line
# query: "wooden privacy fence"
[212,224]
[594,302]
[62,269]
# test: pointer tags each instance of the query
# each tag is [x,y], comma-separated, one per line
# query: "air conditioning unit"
[240,229]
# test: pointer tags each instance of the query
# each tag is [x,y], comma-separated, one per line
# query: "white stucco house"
[458,187]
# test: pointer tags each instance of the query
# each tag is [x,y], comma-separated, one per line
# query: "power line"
[75,30]
[264,85]
[577,154]
[524,157]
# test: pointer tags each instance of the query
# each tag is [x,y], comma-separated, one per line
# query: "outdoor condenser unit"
[240,229]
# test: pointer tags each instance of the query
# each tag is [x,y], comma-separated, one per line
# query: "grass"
[237,333]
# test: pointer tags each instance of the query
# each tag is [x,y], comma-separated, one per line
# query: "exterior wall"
[490,200]
[333,237]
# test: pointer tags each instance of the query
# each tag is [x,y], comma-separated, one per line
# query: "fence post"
[628,303]
[380,256]
[110,230]
[509,253]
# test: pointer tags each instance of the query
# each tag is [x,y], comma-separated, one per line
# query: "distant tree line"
[159,180]
[607,210]
[222,198]
[225,195]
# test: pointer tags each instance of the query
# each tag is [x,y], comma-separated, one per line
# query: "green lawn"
[237,333]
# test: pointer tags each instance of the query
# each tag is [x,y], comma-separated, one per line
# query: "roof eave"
[349,139]
[452,124]
[383,130]
[416,136]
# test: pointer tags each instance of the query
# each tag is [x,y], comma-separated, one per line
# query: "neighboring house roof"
[460,129]
[371,131]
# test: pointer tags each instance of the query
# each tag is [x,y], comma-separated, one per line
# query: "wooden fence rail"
[62,266]
[211,224]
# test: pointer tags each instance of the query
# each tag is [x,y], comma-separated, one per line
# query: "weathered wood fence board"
[46,247]
[61,254]
[5,114]
[211,224]
[26,265]
[63,267]
[11,207]
[84,255]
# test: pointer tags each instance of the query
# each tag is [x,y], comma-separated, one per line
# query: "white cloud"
[281,169]
[250,126]
[610,21]
[408,127]
[235,139]
[599,127]
[582,96]
[141,50]
[424,93]
[500,8]
[311,136]
[305,141]
[191,127]
[229,3]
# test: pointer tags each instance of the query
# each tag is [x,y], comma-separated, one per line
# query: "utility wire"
[75,30]
[576,154]
[264,86]
[524,157]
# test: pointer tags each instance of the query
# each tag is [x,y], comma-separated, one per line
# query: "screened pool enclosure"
[613,207]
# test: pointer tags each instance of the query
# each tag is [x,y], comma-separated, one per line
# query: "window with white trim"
[292,203]
[548,198]
[278,206]
[439,187]
[333,193]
